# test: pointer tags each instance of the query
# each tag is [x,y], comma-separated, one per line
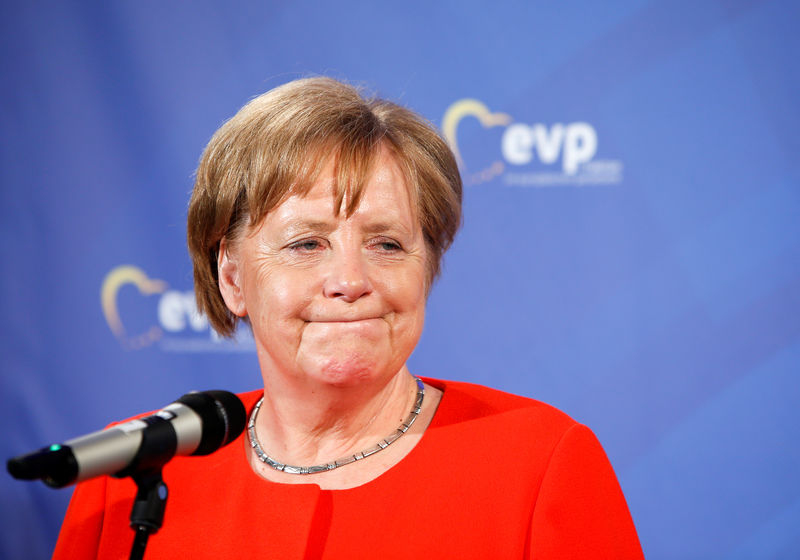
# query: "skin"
[336,305]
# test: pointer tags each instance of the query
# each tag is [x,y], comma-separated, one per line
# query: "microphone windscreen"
[222,415]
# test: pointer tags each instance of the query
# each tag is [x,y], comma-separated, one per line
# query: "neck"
[307,426]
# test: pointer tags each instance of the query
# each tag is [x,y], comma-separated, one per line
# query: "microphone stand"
[159,443]
[147,513]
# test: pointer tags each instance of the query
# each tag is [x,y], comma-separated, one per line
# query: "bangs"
[352,156]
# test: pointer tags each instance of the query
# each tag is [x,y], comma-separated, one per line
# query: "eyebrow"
[322,226]
[382,227]
[309,225]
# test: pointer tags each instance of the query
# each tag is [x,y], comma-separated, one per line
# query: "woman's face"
[335,299]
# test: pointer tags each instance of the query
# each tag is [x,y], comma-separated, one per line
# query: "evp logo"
[536,154]
[574,143]
[156,314]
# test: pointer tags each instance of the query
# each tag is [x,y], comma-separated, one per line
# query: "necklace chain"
[380,446]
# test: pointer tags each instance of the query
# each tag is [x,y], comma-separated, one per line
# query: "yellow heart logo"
[472,108]
[114,280]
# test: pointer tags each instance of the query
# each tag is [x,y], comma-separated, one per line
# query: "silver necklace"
[381,445]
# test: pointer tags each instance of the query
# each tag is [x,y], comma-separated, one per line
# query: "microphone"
[195,424]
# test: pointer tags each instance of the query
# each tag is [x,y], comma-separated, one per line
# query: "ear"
[230,278]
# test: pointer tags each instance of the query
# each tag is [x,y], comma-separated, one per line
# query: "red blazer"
[494,476]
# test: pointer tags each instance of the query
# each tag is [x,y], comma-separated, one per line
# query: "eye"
[387,245]
[305,245]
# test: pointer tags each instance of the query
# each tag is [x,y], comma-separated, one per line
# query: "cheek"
[276,297]
[408,290]
[406,295]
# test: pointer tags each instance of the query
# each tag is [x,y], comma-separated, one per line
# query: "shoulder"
[512,426]
[463,401]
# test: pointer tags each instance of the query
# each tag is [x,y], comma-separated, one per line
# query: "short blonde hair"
[275,147]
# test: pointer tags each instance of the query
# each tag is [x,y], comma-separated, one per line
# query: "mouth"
[334,320]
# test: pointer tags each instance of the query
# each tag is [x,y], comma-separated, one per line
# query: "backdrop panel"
[630,250]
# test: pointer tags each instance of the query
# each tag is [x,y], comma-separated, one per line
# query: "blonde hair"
[275,147]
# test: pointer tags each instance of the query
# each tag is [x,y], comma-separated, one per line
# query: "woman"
[320,218]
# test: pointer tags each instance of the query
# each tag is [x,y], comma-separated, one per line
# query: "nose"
[347,277]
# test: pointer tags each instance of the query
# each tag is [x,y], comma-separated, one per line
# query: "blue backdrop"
[630,250]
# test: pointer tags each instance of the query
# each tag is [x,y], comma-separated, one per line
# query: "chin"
[348,372]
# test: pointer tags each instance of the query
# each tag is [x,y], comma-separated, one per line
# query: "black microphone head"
[222,415]
[55,465]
